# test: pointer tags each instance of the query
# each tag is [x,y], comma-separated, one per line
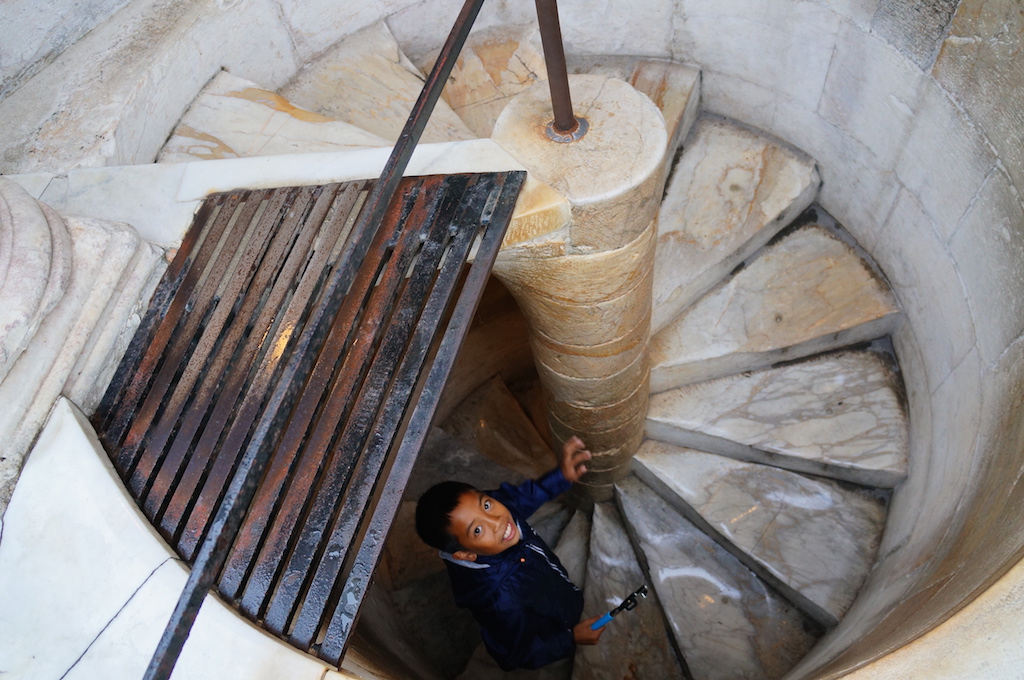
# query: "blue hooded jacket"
[522,597]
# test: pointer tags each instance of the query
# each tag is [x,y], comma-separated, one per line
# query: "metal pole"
[565,122]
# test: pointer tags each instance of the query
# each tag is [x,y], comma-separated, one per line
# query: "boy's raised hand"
[574,458]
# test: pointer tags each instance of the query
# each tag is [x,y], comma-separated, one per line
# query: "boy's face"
[482,525]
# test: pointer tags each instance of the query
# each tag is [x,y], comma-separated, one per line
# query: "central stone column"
[586,289]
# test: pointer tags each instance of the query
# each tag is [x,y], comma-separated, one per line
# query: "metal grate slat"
[252,346]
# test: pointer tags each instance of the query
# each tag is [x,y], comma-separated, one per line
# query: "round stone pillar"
[587,290]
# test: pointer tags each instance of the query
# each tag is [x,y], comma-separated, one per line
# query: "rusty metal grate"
[219,345]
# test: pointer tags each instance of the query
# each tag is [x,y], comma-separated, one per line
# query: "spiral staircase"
[776,427]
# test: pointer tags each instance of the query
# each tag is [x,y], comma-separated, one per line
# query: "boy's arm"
[533,493]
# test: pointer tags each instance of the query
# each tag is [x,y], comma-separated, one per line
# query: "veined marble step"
[495,64]
[367,81]
[727,622]
[812,539]
[492,421]
[838,415]
[675,90]
[102,253]
[637,645]
[732,191]
[236,118]
[807,293]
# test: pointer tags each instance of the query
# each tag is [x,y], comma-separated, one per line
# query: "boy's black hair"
[433,514]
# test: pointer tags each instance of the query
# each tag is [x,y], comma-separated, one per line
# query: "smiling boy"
[502,571]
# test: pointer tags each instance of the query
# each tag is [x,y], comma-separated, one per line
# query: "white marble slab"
[839,415]
[159,199]
[367,81]
[635,644]
[731,192]
[236,118]
[816,537]
[88,586]
[805,294]
[573,548]
[675,90]
[728,623]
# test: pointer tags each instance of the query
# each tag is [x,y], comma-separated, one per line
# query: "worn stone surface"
[612,175]
[731,192]
[102,252]
[675,90]
[805,294]
[839,414]
[365,80]
[916,29]
[635,644]
[35,268]
[727,622]
[495,65]
[236,118]
[492,422]
[589,319]
[815,536]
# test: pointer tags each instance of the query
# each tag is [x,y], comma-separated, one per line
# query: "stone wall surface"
[923,164]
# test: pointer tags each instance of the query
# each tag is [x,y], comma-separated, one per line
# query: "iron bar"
[565,122]
[236,501]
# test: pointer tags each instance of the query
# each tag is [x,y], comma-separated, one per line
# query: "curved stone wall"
[915,116]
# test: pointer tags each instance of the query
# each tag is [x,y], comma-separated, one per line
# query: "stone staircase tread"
[573,547]
[367,81]
[731,192]
[675,90]
[109,341]
[236,118]
[814,536]
[838,415]
[638,644]
[807,293]
[492,422]
[495,65]
[727,622]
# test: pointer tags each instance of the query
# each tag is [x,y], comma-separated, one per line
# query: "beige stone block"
[602,440]
[599,388]
[365,80]
[592,323]
[495,65]
[578,277]
[236,118]
[595,418]
[540,211]
[574,359]
[675,90]
[612,174]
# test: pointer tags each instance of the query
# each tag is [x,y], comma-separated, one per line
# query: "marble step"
[492,421]
[814,540]
[731,192]
[838,415]
[675,90]
[236,118]
[367,81]
[103,254]
[495,64]
[727,622]
[807,293]
[636,644]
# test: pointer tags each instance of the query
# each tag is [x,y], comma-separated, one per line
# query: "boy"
[501,570]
